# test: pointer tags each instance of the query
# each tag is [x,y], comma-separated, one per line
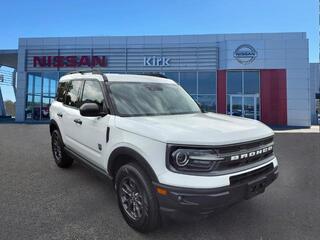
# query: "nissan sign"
[156,61]
[69,61]
[245,54]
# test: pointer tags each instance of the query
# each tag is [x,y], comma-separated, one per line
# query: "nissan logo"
[245,54]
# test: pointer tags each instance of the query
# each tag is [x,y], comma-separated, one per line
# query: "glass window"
[61,91]
[234,82]
[37,84]
[37,99]
[33,101]
[41,91]
[46,102]
[236,109]
[53,87]
[92,93]
[50,80]
[207,83]
[208,102]
[249,108]
[258,107]
[188,80]
[173,76]
[46,86]
[228,105]
[29,107]
[30,83]
[36,108]
[72,94]
[251,82]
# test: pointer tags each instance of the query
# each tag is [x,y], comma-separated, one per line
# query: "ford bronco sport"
[164,154]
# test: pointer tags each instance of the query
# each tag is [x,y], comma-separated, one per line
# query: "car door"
[94,129]
[57,108]
[71,114]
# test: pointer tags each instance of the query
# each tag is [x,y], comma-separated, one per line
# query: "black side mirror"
[91,110]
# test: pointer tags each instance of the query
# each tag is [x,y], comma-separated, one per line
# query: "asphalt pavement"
[38,200]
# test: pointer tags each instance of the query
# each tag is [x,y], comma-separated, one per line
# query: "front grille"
[246,177]
[245,146]
[239,149]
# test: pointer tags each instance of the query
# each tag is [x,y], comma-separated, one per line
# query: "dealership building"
[265,76]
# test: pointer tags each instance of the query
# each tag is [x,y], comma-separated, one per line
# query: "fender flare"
[134,156]
[53,125]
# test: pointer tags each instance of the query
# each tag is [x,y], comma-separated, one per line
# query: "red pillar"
[221,91]
[273,94]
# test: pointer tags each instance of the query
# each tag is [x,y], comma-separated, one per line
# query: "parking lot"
[40,201]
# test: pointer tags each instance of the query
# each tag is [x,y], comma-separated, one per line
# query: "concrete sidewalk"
[312,129]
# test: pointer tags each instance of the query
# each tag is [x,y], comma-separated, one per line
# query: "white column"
[21,86]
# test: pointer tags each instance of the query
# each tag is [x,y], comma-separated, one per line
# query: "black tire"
[59,155]
[147,214]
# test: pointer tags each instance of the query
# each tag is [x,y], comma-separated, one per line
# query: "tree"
[10,107]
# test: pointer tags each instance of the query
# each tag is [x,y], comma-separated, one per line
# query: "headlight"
[181,158]
[193,160]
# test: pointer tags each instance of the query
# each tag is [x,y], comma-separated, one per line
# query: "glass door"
[236,106]
[247,106]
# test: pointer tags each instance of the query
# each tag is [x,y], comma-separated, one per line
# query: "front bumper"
[188,202]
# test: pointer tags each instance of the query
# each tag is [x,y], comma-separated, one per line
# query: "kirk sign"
[69,61]
[156,61]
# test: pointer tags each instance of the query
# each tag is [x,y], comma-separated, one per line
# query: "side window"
[72,93]
[92,93]
[61,91]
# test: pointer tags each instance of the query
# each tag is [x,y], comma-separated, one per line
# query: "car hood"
[197,129]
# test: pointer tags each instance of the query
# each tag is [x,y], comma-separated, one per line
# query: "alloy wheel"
[131,198]
[56,147]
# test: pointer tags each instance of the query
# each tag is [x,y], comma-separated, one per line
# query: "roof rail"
[93,71]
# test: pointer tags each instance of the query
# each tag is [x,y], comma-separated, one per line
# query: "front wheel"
[59,155]
[136,198]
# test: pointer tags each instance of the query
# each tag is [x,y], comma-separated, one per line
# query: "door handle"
[78,121]
[60,115]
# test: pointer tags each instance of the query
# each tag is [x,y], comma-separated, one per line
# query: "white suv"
[164,154]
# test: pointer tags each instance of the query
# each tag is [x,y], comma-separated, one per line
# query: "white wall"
[21,83]
[314,88]
[277,51]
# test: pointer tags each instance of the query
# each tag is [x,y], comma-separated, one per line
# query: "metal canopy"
[9,58]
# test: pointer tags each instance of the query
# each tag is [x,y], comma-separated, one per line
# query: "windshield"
[149,99]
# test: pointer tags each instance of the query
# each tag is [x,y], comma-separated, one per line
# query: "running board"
[86,162]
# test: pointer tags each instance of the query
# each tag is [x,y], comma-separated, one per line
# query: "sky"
[60,18]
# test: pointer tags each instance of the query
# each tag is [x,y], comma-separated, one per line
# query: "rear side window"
[72,93]
[92,93]
[61,91]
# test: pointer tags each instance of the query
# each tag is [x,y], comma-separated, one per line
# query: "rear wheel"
[59,155]
[136,198]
